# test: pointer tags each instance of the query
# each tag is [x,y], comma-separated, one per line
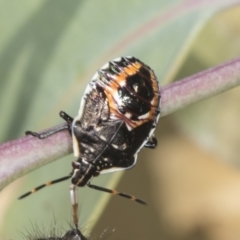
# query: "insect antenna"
[44,185]
[114,192]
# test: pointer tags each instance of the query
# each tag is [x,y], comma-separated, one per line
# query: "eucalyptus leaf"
[48,52]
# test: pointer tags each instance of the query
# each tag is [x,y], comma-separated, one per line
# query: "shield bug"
[118,114]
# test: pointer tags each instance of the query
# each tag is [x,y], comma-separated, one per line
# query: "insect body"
[118,114]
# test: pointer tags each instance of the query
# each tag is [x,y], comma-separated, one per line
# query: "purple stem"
[23,155]
[19,157]
[200,86]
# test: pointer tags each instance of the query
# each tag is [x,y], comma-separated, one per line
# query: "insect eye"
[76,164]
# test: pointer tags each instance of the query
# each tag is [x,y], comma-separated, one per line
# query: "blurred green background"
[49,51]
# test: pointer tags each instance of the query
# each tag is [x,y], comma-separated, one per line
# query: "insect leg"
[114,192]
[74,201]
[66,117]
[57,129]
[48,133]
[45,185]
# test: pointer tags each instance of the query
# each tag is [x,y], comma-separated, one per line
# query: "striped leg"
[114,192]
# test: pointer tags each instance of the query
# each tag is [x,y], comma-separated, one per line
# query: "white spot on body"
[119,59]
[128,115]
[103,138]
[124,146]
[144,116]
[95,77]
[153,101]
[114,146]
[105,66]
[84,161]
[129,127]
[135,87]
[92,149]
[117,99]
[89,88]
[76,149]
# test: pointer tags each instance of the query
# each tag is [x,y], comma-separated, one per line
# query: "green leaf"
[48,52]
[218,132]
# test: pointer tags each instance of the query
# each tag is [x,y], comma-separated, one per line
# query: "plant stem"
[200,86]
[25,154]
